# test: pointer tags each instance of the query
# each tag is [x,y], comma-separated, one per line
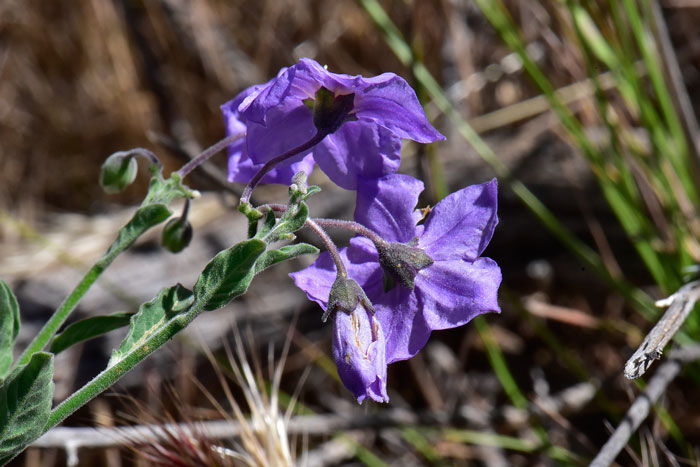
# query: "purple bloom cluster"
[410,273]
[457,286]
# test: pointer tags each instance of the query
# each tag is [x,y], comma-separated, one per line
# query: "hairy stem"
[269,165]
[330,246]
[140,223]
[354,227]
[207,153]
[113,373]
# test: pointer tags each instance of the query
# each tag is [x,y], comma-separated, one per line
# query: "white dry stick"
[680,304]
[641,406]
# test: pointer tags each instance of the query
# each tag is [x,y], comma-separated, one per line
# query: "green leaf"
[9,327]
[144,218]
[228,274]
[311,190]
[25,404]
[89,328]
[151,317]
[282,254]
[268,225]
[292,220]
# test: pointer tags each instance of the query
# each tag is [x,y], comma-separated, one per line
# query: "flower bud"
[118,171]
[402,261]
[177,234]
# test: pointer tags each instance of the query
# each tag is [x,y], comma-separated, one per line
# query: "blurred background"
[585,111]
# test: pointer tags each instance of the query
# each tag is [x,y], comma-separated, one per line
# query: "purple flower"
[364,119]
[457,285]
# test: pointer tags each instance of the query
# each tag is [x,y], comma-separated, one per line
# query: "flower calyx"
[346,295]
[402,261]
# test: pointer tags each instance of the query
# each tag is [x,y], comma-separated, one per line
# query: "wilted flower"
[359,353]
[361,122]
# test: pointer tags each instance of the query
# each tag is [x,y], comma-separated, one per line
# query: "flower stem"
[330,246]
[207,153]
[354,227]
[269,165]
[139,224]
[110,375]
[146,154]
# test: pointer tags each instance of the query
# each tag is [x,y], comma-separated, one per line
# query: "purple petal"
[386,205]
[358,350]
[291,86]
[404,327]
[240,167]
[461,225]
[451,293]
[358,149]
[287,127]
[390,101]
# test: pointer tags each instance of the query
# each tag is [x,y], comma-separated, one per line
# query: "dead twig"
[680,304]
[641,407]
[79,437]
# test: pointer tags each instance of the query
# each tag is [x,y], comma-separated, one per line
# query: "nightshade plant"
[407,273]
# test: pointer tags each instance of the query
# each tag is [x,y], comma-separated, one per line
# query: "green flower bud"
[118,171]
[177,234]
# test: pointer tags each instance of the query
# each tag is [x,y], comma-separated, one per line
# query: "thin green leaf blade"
[151,317]
[272,257]
[229,274]
[9,327]
[25,404]
[88,328]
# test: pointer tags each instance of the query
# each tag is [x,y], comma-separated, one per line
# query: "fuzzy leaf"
[25,404]
[292,220]
[268,225]
[9,327]
[272,257]
[144,218]
[87,329]
[151,317]
[228,274]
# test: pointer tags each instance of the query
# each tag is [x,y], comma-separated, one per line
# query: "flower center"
[330,111]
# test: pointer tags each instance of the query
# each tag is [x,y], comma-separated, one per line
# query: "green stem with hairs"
[145,218]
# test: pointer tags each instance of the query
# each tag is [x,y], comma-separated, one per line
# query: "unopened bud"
[118,171]
[177,234]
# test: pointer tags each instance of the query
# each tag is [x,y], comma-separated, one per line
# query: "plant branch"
[330,246]
[127,235]
[207,153]
[269,165]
